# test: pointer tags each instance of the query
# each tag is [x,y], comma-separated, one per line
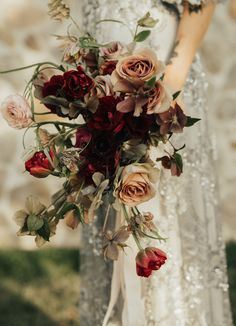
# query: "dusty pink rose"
[113,51]
[137,183]
[16,111]
[138,68]
[159,99]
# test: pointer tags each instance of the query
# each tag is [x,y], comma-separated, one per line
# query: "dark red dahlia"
[138,127]
[107,118]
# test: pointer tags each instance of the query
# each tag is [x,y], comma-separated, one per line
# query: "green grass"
[231,262]
[41,288]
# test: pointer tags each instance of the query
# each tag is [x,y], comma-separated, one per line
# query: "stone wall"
[25,38]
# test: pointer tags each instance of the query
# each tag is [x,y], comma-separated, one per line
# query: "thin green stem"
[133,232]
[106,218]
[29,66]
[56,123]
[75,23]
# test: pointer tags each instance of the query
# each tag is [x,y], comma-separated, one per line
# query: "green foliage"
[142,36]
[44,231]
[191,121]
[231,263]
[39,288]
[151,82]
[34,222]
[175,95]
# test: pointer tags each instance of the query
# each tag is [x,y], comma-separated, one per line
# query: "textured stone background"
[25,38]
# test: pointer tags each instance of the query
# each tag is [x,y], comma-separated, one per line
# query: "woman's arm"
[191,30]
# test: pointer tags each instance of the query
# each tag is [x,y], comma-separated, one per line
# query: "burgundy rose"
[108,67]
[71,86]
[148,260]
[172,120]
[107,118]
[53,87]
[77,84]
[39,165]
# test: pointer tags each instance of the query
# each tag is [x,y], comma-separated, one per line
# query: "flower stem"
[106,218]
[30,66]
[133,232]
[56,123]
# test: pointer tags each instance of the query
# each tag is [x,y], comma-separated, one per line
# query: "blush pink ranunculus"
[16,111]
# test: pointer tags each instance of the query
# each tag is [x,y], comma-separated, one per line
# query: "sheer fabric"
[191,289]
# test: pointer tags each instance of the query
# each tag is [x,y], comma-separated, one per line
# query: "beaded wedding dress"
[191,289]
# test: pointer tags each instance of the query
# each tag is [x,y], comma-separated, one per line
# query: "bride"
[191,288]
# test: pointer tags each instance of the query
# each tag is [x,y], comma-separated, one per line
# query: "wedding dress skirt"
[191,289]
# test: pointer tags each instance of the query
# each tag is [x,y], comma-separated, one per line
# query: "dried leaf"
[58,10]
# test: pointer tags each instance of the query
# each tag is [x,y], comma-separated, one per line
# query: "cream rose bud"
[137,183]
[16,111]
[159,99]
[138,67]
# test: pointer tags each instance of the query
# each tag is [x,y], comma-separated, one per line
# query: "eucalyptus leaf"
[178,160]
[34,223]
[191,121]
[64,209]
[151,82]
[142,36]
[175,95]
[44,231]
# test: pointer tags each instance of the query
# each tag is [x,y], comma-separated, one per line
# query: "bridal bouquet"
[109,105]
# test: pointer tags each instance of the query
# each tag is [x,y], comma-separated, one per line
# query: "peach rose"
[137,183]
[16,111]
[159,99]
[138,67]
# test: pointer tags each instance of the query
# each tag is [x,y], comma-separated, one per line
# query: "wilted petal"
[124,86]
[97,200]
[20,217]
[139,103]
[71,219]
[122,235]
[126,106]
[33,205]
[111,251]
[98,178]
[40,241]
